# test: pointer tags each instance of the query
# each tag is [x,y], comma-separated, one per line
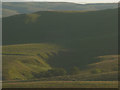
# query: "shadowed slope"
[86,35]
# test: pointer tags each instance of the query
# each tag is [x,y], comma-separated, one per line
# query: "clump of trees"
[56,72]
[51,73]
[96,71]
[74,71]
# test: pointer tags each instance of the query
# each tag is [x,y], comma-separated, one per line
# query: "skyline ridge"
[69,1]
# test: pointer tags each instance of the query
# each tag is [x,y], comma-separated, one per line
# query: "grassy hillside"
[106,63]
[30,7]
[86,35]
[20,61]
[109,76]
[106,69]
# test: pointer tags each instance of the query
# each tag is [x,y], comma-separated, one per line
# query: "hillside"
[106,63]
[86,35]
[87,40]
[12,8]
[21,61]
[106,69]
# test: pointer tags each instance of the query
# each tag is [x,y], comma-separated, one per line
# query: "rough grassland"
[20,61]
[62,84]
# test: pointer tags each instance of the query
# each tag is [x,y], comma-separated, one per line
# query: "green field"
[61,84]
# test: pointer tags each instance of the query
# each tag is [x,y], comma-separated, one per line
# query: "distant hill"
[12,8]
[9,12]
